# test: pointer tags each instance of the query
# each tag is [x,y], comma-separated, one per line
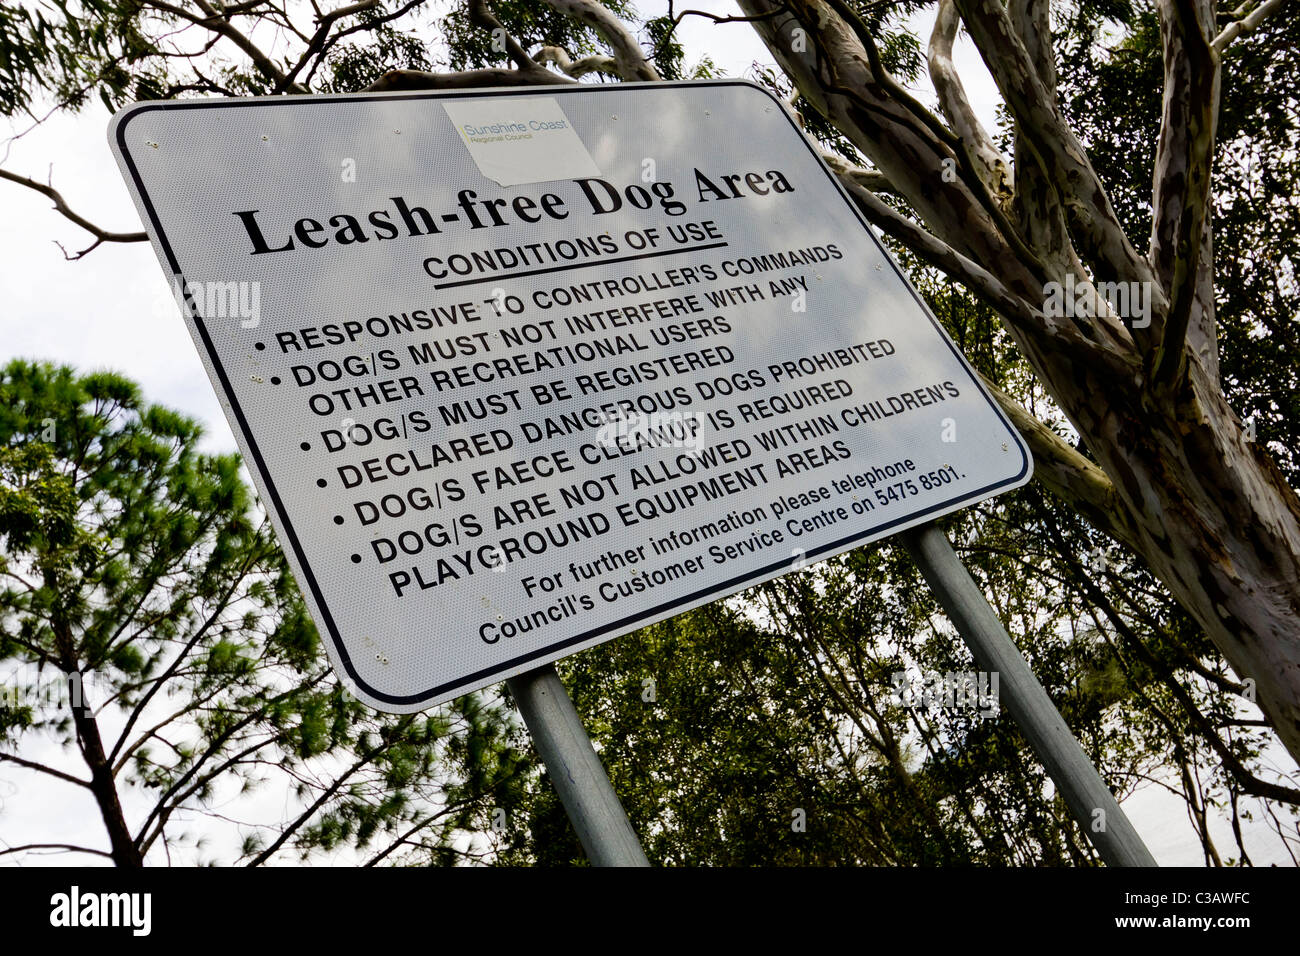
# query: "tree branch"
[947,140]
[395,80]
[631,59]
[369,25]
[214,22]
[1248,782]
[956,107]
[1246,23]
[420,824]
[101,235]
[829,53]
[32,765]
[1068,475]
[1038,206]
[54,846]
[1015,311]
[1033,24]
[254,557]
[870,180]
[289,829]
[576,68]
[317,43]
[1062,155]
[366,757]
[1181,196]
[1203,329]
[482,16]
[163,810]
[213,748]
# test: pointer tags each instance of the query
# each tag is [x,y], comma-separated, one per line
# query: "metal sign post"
[1089,799]
[575,770]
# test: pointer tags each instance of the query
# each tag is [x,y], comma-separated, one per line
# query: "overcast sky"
[113,310]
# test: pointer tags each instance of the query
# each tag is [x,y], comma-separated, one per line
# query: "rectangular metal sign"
[516,372]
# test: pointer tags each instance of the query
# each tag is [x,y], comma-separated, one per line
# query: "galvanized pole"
[1089,799]
[575,770]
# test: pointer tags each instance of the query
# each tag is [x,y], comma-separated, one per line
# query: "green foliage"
[143,569]
[354,66]
[471,47]
[71,50]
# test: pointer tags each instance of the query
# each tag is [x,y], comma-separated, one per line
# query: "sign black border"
[481,678]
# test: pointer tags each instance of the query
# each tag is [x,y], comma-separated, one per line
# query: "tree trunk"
[102,783]
[103,786]
[1216,520]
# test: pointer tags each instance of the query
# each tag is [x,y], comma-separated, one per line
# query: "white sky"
[113,310]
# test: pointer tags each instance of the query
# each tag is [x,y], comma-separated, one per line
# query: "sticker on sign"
[496,424]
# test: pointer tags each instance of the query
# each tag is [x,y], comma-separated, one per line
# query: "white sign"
[495,425]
